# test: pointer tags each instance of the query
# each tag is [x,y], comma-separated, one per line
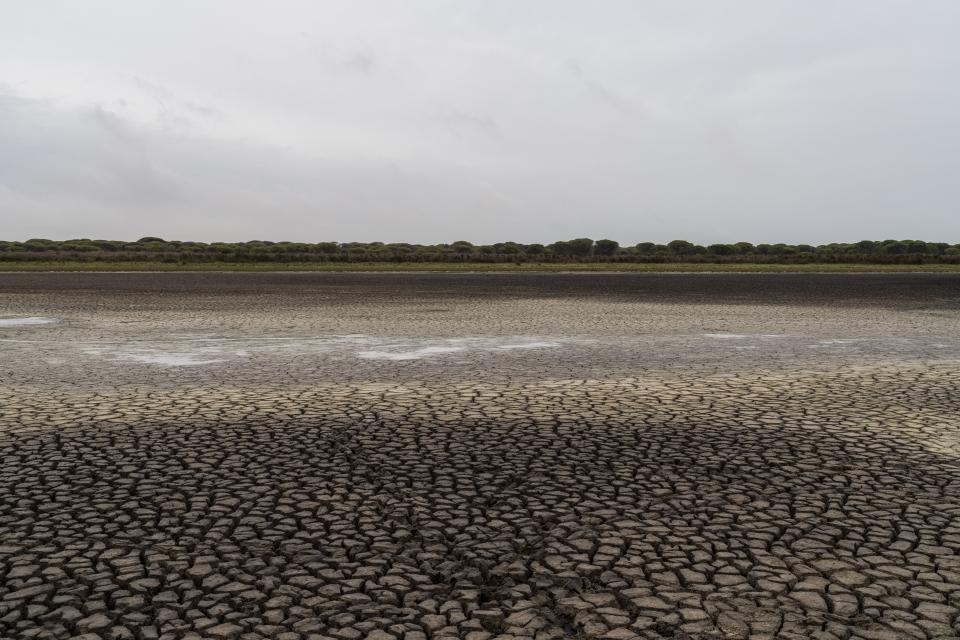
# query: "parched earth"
[307,456]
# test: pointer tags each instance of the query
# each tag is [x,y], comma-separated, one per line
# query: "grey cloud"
[88,154]
[362,61]
[781,121]
[82,168]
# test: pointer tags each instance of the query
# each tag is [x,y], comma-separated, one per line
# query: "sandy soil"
[329,455]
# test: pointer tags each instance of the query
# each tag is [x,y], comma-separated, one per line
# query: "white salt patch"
[194,349]
[416,354]
[837,342]
[161,357]
[529,345]
[21,322]
[168,359]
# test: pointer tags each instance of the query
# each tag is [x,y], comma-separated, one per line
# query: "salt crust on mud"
[194,351]
[25,322]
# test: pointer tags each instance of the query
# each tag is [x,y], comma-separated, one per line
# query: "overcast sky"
[487,120]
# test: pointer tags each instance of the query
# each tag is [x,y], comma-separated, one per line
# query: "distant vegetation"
[576,251]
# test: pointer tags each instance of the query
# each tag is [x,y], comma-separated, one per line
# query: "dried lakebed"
[420,456]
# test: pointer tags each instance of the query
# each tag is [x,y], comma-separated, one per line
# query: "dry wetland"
[506,455]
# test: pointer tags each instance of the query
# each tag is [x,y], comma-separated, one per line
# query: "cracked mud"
[308,456]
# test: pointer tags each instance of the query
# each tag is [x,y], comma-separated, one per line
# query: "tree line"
[153,249]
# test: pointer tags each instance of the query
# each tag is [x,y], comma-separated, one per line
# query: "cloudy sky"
[484,120]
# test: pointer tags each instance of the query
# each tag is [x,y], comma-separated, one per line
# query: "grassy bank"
[480,266]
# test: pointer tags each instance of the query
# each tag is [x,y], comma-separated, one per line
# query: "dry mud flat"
[492,456]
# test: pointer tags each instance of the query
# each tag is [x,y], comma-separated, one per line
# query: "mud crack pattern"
[804,502]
